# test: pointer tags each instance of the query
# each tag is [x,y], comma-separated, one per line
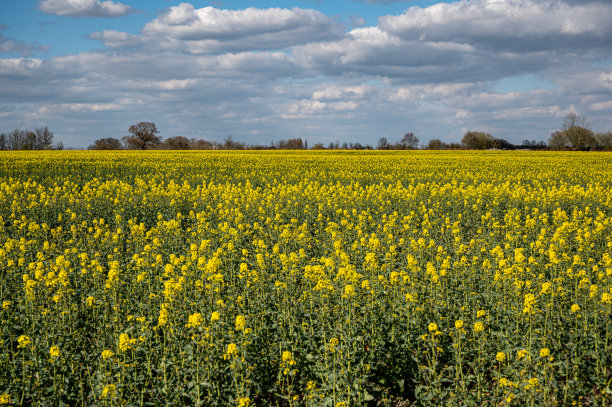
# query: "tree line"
[575,134]
[24,139]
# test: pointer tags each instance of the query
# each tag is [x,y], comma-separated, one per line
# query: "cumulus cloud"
[84,8]
[251,28]
[508,25]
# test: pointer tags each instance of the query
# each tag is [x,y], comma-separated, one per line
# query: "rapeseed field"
[306,278]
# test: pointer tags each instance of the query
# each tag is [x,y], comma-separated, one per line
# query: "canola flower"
[54,352]
[229,278]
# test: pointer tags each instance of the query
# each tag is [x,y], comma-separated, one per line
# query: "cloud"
[84,8]
[117,39]
[508,25]
[8,45]
[209,29]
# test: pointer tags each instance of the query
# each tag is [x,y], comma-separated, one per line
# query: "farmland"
[306,278]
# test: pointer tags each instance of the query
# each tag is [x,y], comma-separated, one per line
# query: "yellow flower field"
[306,278]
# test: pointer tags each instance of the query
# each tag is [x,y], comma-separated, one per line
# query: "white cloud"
[273,28]
[84,8]
[517,25]
[117,39]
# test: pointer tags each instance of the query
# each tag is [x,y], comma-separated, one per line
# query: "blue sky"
[346,70]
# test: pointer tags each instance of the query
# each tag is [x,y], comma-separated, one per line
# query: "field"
[306,278]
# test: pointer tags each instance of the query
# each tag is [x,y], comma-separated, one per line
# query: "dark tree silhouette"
[143,135]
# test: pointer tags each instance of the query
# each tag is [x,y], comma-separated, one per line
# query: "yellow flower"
[163,315]
[341,404]
[458,324]
[54,352]
[125,343]
[501,356]
[332,344]
[433,327]
[89,301]
[244,402]
[109,391]
[529,304]
[195,320]
[5,398]
[106,354]
[24,341]
[575,308]
[606,298]
[481,313]
[349,290]
[478,327]
[287,357]
[531,383]
[6,304]
[544,352]
[232,349]
[215,316]
[521,353]
[240,322]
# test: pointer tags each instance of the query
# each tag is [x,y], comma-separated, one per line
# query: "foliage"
[305,278]
[108,143]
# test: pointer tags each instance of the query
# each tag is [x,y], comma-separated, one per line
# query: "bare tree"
[143,135]
[574,120]
[44,138]
[409,141]
[604,141]
[383,144]
[558,140]
[574,134]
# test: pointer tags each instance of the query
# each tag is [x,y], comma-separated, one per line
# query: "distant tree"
[143,135]
[318,146]
[501,144]
[108,143]
[436,144]
[16,139]
[291,144]
[574,120]
[477,140]
[200,144]
[575,135]
[3,142]
[175,143]
[230,144]
[409,141]
[603,141]
[44,138]
[558,140]
[383,144]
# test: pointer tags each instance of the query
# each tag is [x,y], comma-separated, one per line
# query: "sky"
[322,70]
